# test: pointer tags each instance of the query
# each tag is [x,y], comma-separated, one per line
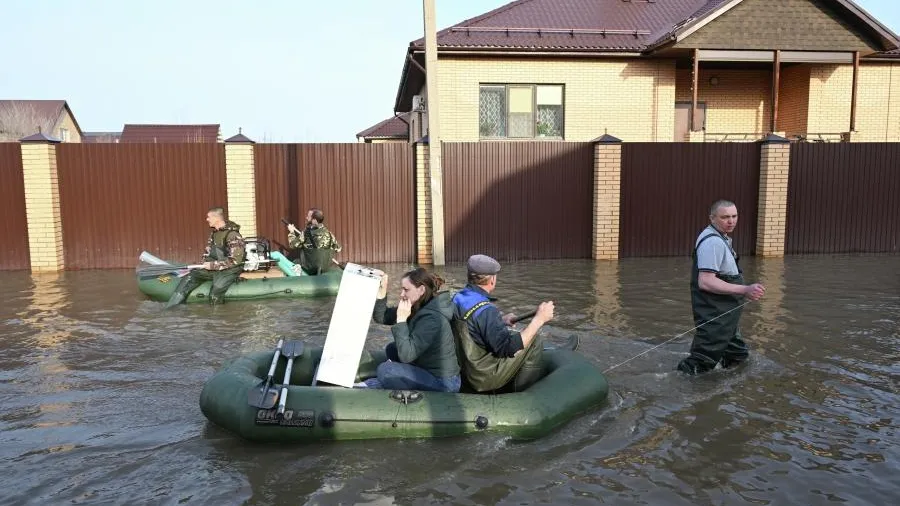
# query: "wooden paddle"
[264,396]
[292,349]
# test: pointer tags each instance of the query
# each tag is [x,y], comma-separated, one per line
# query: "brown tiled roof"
[571,25]
[170,133]
[585,25]
[48,111]
[391,128]
[44,108]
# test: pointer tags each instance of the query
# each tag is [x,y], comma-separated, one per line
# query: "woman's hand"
[403,310]
[382,288]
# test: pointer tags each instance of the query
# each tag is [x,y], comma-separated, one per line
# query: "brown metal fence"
[667,189]
[365,190]
[518,200]
[117,200]
[844,198]
[13,225]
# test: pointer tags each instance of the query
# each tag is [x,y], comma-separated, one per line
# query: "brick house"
[575,69]
[21,118]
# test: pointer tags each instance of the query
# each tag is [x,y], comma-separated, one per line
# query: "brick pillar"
[607,190]
[240,177]
[424,252]
[774,164]
[45,238]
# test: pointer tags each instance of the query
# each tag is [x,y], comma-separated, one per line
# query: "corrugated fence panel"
[518,200]
[365,190]
[667,189]
[117,200]
[14,224]
[844,198]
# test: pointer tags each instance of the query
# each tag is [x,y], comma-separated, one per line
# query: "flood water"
[99,391]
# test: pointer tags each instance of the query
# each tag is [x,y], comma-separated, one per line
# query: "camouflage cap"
[482,264]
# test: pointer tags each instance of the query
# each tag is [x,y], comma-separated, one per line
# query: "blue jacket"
[485,323]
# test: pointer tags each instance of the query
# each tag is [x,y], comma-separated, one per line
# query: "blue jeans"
[395,375]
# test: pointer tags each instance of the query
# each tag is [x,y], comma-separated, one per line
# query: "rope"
[676,337]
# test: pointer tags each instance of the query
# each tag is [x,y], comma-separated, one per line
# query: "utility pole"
[434,138]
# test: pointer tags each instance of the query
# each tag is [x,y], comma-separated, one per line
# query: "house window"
[520,111]
[64,134]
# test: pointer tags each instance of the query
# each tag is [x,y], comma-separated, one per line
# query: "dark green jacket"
[225,248]
[425,340]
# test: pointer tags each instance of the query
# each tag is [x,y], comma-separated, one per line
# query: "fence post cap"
[240,138]
[606,139]
[39,137]
[774,139]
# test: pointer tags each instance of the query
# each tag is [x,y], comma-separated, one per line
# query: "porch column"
[45,235]
[774,167]
[695,78]
[607,191]
[424,251]
[776,85]
[240,178]
[853,93]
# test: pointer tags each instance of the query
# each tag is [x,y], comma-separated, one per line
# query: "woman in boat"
[423,354]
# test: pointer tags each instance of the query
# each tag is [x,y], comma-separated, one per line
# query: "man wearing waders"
[223,260]
[717,292]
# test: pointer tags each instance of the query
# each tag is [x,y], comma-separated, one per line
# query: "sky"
[283,71]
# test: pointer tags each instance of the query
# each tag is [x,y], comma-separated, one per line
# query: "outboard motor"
[257,254]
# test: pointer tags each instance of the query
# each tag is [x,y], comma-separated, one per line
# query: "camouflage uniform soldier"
[316,243]
[223,260]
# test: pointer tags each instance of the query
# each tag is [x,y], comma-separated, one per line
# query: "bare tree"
[21,120]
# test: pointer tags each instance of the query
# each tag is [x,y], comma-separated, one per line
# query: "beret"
[482,264]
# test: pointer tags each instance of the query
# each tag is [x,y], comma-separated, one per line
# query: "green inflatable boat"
[159,286]
[572,385]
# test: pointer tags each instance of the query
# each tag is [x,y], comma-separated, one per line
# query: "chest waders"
[716,340]
[484,372]
[221,280]
[314,259]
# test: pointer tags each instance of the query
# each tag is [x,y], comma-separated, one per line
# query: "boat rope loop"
[676,337]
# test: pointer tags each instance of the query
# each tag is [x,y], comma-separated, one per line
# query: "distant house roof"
[395,127]
[47,112]
[624,27]
[100,137]
[170,133]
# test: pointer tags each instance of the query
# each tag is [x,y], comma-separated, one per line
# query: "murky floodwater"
[99,393]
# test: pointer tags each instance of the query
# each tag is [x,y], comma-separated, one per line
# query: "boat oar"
[264,396]
[517,319]
[158,270]
[291,350]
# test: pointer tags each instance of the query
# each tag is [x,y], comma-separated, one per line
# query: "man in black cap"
[494,355]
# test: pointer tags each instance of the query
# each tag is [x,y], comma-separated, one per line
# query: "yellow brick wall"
[240,180]
[739,103]
[631,99]
[829,98]
[772,208]
[424,252]
[877,106]
[69,124]
[607,190]
[793,107]
[42,207]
